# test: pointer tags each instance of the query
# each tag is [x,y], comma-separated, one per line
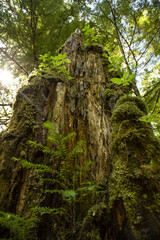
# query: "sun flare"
[6,78]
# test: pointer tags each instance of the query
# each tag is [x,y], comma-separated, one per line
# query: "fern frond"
[20,227]
[36,167]
[47,210]
[24,163]
[76,150]
[69,136]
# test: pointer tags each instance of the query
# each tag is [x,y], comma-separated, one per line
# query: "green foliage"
[56,64]
[135,162]
[115,66]
[32,28]
[88,188]
[61,174]
[125,80]
[151,93]
[46,210]
[57,149]
[90,36]
[69,194]
[62,181]
[128,28]
[19,228]
[116,62]
[151,118]
[36,167]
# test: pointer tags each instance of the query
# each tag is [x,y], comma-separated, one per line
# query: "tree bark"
[85,105]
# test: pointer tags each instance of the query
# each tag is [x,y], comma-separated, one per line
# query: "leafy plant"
[115,62]
[69,194]
[57,149]
[125,80]
[90,35]
[47,210]
[151,118]
[19,228]
[29,165]
[54,63]
[90,188]
[62,181]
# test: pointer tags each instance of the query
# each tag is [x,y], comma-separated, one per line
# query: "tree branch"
[156,101]
[146,47]
[121,46]
[13,60]
[156,85]
[6,105]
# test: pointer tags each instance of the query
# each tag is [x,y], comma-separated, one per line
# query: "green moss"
[125,111]
[94,223]
[94,48]
[4,186]
[134,145]
[135,100]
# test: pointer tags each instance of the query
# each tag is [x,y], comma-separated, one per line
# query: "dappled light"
[6,78]
[8,89]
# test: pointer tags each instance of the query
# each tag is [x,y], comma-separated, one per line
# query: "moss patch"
[95,223]
[94,48]
[135,162]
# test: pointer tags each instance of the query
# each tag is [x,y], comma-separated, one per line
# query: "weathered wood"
[83,104]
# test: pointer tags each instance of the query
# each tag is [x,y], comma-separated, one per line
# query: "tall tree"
[130,31]
[33,27]
[130,27]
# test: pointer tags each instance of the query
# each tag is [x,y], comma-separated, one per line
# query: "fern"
[36,167]
[47,210]
[19,228]
[62,182]
[76,150]
[69,194]
[24,163]
[53,181]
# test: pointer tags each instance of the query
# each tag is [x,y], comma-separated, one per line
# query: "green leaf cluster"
[125,80]
[32,28]
[116,62]
[36,167]
[151,118]
[19,228]
[56,64]
[46,210]
[89,35]
[57,150]
[62,181]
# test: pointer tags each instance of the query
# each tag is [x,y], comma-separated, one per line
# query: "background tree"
[33,27]
[130,32]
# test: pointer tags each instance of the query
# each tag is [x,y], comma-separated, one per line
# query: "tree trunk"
[118,150]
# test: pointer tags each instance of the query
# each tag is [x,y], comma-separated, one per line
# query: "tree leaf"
[116,80]
[125,75]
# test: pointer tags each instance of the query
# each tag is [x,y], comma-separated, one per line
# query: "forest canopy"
[128,30]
